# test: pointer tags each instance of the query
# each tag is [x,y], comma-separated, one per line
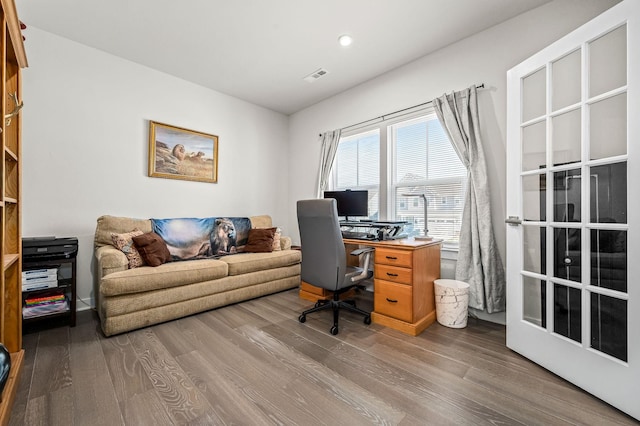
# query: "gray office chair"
[324,262]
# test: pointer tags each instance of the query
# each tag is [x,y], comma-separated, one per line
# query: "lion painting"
[179,152]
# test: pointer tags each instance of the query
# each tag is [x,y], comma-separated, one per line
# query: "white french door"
[573,233]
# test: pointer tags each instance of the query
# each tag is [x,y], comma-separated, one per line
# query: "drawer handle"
[391,300]
[392,275]
[392,258]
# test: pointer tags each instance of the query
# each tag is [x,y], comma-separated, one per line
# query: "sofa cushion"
[263,221]
[244,263]
[172,274]
[152,248]
[260,240]
[126,303]
[108,224]
[124,243]
[114,324]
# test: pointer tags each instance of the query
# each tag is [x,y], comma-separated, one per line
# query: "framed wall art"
[177,153]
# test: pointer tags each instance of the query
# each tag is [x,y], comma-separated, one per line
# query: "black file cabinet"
[48,284]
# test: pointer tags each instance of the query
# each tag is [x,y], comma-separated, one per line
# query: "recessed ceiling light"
[345,40]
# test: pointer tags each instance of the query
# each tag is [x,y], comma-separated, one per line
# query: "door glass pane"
[608,127]
[534,249]
[566,138]
[534,95]
[534,151]
[609,259]
[534,304]
[567,196]
[534,188]
[567,251]
[565,74]
[608,62]
[567,312]
[609,325]
[608,193]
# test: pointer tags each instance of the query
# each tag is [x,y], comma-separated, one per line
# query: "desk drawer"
[393,300]
[393,273]
[387,256]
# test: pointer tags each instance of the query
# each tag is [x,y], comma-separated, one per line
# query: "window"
[357,166]
[412,156]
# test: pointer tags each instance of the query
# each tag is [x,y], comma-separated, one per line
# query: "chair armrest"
[360,251]
[365,266]
[110,260]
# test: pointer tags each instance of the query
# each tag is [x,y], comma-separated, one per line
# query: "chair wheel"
[302,318]
[317,304]
[334,330]
[367,319]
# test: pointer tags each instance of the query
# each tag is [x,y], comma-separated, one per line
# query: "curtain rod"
[479,86]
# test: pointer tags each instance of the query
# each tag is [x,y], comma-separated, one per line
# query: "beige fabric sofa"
[133,298]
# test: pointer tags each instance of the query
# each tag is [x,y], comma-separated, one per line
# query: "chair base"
[335,305]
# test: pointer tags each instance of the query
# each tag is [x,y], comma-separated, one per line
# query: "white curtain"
[329,147]
[479,262]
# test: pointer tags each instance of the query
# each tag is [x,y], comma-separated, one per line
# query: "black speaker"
[5,366]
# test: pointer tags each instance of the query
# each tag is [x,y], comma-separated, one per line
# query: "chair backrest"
[324,261]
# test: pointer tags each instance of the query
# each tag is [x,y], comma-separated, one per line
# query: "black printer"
[49,248]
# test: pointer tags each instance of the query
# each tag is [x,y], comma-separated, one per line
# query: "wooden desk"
[404,271]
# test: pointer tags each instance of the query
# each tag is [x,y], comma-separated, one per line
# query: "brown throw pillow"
[152,248]
[260,240]
[124,243]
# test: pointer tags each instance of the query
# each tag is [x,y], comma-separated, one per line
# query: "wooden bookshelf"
[13,60]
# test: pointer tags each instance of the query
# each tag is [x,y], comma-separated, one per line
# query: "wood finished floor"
[254,364]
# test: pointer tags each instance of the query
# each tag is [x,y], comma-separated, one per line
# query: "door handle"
[513,220]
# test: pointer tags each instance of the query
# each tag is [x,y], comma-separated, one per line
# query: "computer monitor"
[350,203]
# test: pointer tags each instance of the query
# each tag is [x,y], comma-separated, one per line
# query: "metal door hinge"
[513,220]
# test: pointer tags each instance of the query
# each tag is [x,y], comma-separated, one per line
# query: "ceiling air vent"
[320,72]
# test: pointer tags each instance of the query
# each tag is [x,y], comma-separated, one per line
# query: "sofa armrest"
[110,260]
[285,243]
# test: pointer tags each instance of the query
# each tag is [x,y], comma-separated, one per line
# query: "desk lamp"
[426,236]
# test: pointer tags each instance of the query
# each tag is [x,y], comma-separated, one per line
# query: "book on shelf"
[44,299]
[44,304]
[45,309]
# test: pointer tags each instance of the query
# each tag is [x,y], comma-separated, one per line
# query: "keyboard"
[357,235]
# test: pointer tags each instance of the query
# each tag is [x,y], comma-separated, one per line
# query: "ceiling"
[260,50]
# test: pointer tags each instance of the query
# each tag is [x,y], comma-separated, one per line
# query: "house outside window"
[405,156]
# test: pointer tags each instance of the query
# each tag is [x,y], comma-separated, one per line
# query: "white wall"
[483,58]
[85,143]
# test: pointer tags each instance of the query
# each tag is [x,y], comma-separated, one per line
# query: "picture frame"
[179,153]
